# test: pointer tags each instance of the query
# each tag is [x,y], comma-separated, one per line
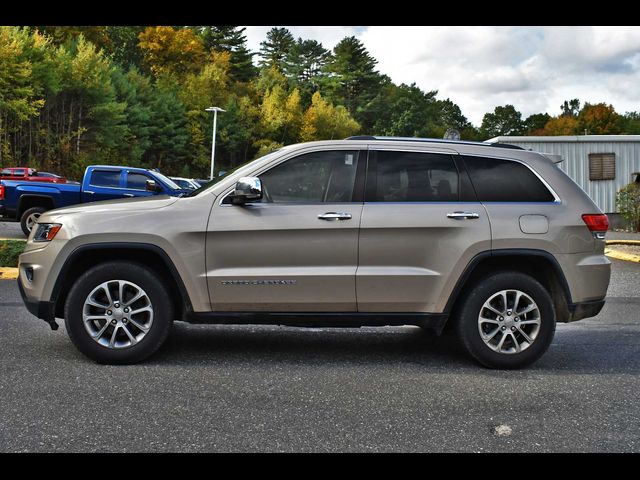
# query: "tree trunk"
[79,128]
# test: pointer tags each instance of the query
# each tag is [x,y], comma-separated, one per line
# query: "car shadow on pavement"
[309,346]
[581,351]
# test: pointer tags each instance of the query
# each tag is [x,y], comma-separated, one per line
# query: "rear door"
[297,250]
[420,227]
[103,184]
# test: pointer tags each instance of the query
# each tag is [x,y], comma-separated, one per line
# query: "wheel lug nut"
[517,319]
[113,322]
[109,312]
[126,310]
[501,318]
[124,320]
[513,329]
[508,312]
[504,328]
[117,305]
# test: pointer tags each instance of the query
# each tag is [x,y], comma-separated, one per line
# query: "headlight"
[45,232]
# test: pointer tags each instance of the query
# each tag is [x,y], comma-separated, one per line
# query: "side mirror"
[248,189]
[152,186]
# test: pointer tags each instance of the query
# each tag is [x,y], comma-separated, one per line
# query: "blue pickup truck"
[26,201]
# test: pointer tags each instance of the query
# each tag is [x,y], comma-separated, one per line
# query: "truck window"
[105,178]
[137,181]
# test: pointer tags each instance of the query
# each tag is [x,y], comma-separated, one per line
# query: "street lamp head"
[214,109]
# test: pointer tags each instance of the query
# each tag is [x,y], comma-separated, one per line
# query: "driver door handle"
[333,216]
[463,215]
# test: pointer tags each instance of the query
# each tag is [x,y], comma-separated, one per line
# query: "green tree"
[534,124]
[570,108]
[233,40]
[275,49]
[305,66]
[505,120]
[353,80]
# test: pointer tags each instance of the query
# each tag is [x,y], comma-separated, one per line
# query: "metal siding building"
[575,151]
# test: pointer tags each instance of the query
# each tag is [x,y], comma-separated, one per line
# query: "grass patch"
[10,250]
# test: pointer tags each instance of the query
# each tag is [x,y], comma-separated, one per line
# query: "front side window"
[497,180]
[412,177]
[105,178]
[137,181]
[327,176]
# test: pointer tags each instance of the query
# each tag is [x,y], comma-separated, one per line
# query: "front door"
[297,249]
[421,225]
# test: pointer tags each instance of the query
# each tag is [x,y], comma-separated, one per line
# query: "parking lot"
[226,388]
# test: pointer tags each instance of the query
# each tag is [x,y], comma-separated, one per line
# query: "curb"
[629,257]
[8,273]
[13,239]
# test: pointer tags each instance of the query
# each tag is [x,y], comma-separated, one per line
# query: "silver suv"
[493,241]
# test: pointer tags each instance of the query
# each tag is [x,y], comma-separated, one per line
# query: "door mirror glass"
[248,189]
[152,186]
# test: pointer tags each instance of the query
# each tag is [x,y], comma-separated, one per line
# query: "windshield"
[167,181]
[211,183]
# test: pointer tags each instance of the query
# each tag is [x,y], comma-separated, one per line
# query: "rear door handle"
[89,192]
[463,215]
[333,216]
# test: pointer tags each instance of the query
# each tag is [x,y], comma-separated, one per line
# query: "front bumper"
[42,310]
[581,310]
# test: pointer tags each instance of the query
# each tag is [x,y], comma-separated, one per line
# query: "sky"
[478,68]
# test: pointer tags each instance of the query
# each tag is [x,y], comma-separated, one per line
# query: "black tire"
[467,321]
[132,272]
[26,214]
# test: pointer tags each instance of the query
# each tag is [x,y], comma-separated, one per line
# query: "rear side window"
[497,180]
[412,177]
[105,178]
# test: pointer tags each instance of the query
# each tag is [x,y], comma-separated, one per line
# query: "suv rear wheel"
[507,321]
[118,313]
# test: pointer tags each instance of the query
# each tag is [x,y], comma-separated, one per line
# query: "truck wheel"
[118,313]
[29,218]
[507,321]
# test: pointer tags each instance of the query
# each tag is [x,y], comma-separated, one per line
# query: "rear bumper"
[43,310]
[582,310]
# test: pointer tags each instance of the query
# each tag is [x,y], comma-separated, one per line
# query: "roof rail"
[435,140]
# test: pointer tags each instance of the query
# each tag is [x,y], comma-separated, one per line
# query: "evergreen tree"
[353,79]
[275,49]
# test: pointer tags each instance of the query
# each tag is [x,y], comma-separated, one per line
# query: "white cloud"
[479,68]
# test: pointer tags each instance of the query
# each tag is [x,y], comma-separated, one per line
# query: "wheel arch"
[539,264]
[150,255]
[29,201]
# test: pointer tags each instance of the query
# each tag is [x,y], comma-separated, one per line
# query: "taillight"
[1,192]
[597,223]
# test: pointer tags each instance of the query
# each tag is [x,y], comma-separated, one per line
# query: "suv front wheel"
[118,313]
[507,321]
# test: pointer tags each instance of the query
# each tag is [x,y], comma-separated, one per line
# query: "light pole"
[215,111]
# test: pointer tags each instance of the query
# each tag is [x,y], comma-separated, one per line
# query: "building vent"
[602,166]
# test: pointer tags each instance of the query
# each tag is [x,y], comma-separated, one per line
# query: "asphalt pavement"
[11,230]
[232,388]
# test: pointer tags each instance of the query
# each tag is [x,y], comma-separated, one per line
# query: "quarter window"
[327,176]
[413,177]
[105,178]
[497,180]
[602,166]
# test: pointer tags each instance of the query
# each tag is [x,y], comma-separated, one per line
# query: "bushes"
[628,204]
[10,250]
